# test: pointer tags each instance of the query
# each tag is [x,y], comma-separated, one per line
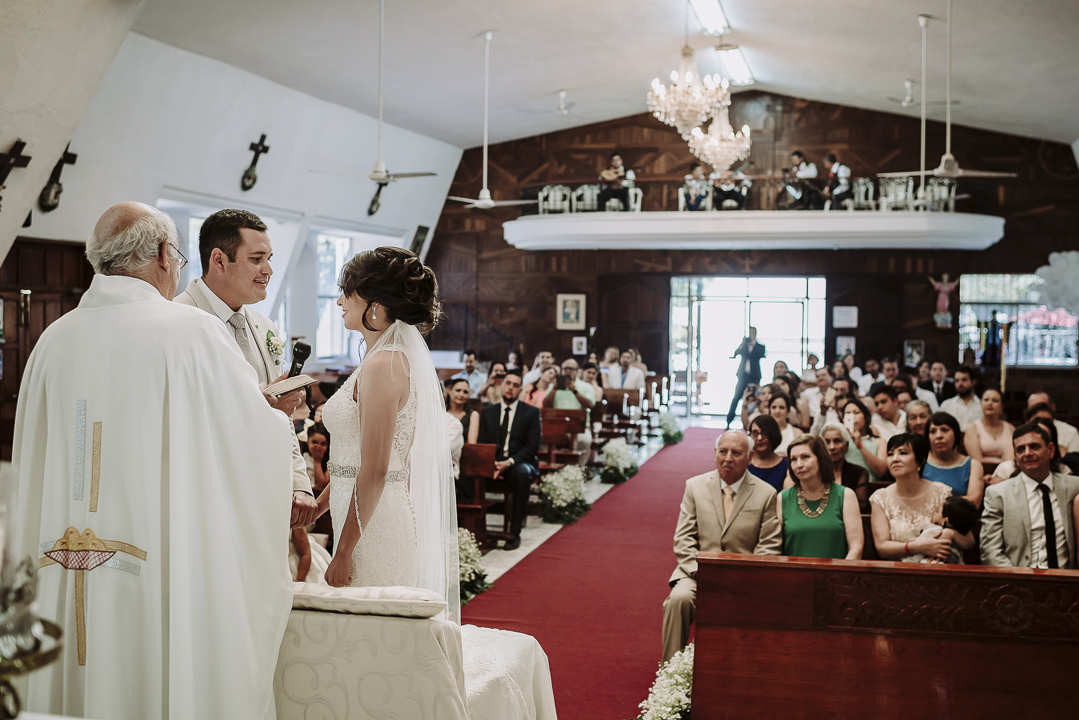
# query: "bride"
[391,494]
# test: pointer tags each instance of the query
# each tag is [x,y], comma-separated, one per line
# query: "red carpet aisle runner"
[593,594]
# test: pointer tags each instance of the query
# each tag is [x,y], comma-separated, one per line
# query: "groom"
[514,427]
[235,252]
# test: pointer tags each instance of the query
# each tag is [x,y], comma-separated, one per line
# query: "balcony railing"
[760,192]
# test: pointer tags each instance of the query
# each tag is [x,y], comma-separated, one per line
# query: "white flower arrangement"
[668,698]
[619,464]
[672,434]
[563,495]
[274,344]
[1057,286]
[473,577]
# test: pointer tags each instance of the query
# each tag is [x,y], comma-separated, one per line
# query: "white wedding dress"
[507,676]
[387,550]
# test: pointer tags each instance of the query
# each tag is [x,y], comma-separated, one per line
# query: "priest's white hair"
[749,440]
[133,247]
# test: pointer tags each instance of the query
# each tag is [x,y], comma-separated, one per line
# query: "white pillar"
[53,56]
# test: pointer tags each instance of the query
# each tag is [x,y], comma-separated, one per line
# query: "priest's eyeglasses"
[183,260]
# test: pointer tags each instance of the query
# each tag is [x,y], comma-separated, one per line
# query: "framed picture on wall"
[580,345]
[844,345]
[913,352]
[570,311]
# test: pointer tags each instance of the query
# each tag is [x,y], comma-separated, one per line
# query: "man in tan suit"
[1027,519]
[235,252]
[726,510]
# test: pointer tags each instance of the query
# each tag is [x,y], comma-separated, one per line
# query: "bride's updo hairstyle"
[397,280]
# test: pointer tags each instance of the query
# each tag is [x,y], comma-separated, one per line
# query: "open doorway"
[711,315]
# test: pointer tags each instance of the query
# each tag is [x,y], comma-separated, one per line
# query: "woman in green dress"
[819,517]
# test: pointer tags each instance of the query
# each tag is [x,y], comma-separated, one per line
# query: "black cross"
[68,158]
[13,159]
[249,178]
[259,148]
[49,199]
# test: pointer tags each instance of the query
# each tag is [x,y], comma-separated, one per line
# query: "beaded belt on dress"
[336,470]
[348,471]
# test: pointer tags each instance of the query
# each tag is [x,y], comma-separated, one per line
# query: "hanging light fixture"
[690,100]
[721,147]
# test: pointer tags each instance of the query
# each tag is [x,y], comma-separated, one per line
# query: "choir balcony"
[895,218]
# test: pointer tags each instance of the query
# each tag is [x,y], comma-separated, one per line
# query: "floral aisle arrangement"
[473,578]
[619,464]
[668,699]
[671,432]
[563,495]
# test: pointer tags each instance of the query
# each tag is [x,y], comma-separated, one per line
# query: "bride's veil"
[432,487]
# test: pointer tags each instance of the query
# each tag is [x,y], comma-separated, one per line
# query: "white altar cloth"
[343,665]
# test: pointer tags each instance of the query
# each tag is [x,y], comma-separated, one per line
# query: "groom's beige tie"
[728,503]
[243,339]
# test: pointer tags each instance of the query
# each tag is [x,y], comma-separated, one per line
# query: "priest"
[154,494]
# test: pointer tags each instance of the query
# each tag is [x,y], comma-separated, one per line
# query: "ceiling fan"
[562,108]
[380,174]
[949,166]
[484,201]
[909,100]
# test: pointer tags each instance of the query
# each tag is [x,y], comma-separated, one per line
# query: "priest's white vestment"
[154,492]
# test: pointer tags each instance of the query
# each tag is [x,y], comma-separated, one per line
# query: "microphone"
[300,352]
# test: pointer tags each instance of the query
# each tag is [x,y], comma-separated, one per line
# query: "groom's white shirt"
[186,618]
[199,295]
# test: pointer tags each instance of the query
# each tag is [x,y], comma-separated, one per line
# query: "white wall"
[166,119]
[166,123]
[53,56]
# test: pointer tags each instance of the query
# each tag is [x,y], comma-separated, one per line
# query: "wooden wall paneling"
[56,273]
[878,300]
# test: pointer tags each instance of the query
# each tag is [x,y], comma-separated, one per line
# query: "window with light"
[1038,336]
[332,339]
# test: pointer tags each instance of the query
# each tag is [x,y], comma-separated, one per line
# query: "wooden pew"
[478,470]
[565,451]
[803,638]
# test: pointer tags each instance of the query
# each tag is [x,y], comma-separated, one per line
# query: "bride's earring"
[373,316]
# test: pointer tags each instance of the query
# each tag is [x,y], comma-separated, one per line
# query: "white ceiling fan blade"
[506,203]
[461,199]
[396,176]
[985,174]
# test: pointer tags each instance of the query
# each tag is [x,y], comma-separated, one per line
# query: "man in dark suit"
[938,382]
[749,368]
[514,427]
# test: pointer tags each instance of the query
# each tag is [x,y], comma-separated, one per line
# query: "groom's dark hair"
[222,230]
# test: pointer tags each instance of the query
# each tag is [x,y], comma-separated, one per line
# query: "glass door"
[718,328]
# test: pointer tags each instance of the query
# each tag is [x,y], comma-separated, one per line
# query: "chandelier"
[690,100]
[720,147]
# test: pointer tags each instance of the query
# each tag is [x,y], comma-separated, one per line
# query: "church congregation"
[612,356]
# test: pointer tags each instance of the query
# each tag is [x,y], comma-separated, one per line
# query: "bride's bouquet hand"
[339,574]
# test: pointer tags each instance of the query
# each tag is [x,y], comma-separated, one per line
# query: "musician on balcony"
[797,194]
[617,181]
[839,188]
[696,187]
[730,186]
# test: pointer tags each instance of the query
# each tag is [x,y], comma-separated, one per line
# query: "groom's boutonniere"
[274,344]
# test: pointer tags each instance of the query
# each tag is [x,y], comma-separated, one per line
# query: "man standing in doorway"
[749,369]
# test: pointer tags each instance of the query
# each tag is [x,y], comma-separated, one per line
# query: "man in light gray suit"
[235,252]
[726,510]
[1027,519]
